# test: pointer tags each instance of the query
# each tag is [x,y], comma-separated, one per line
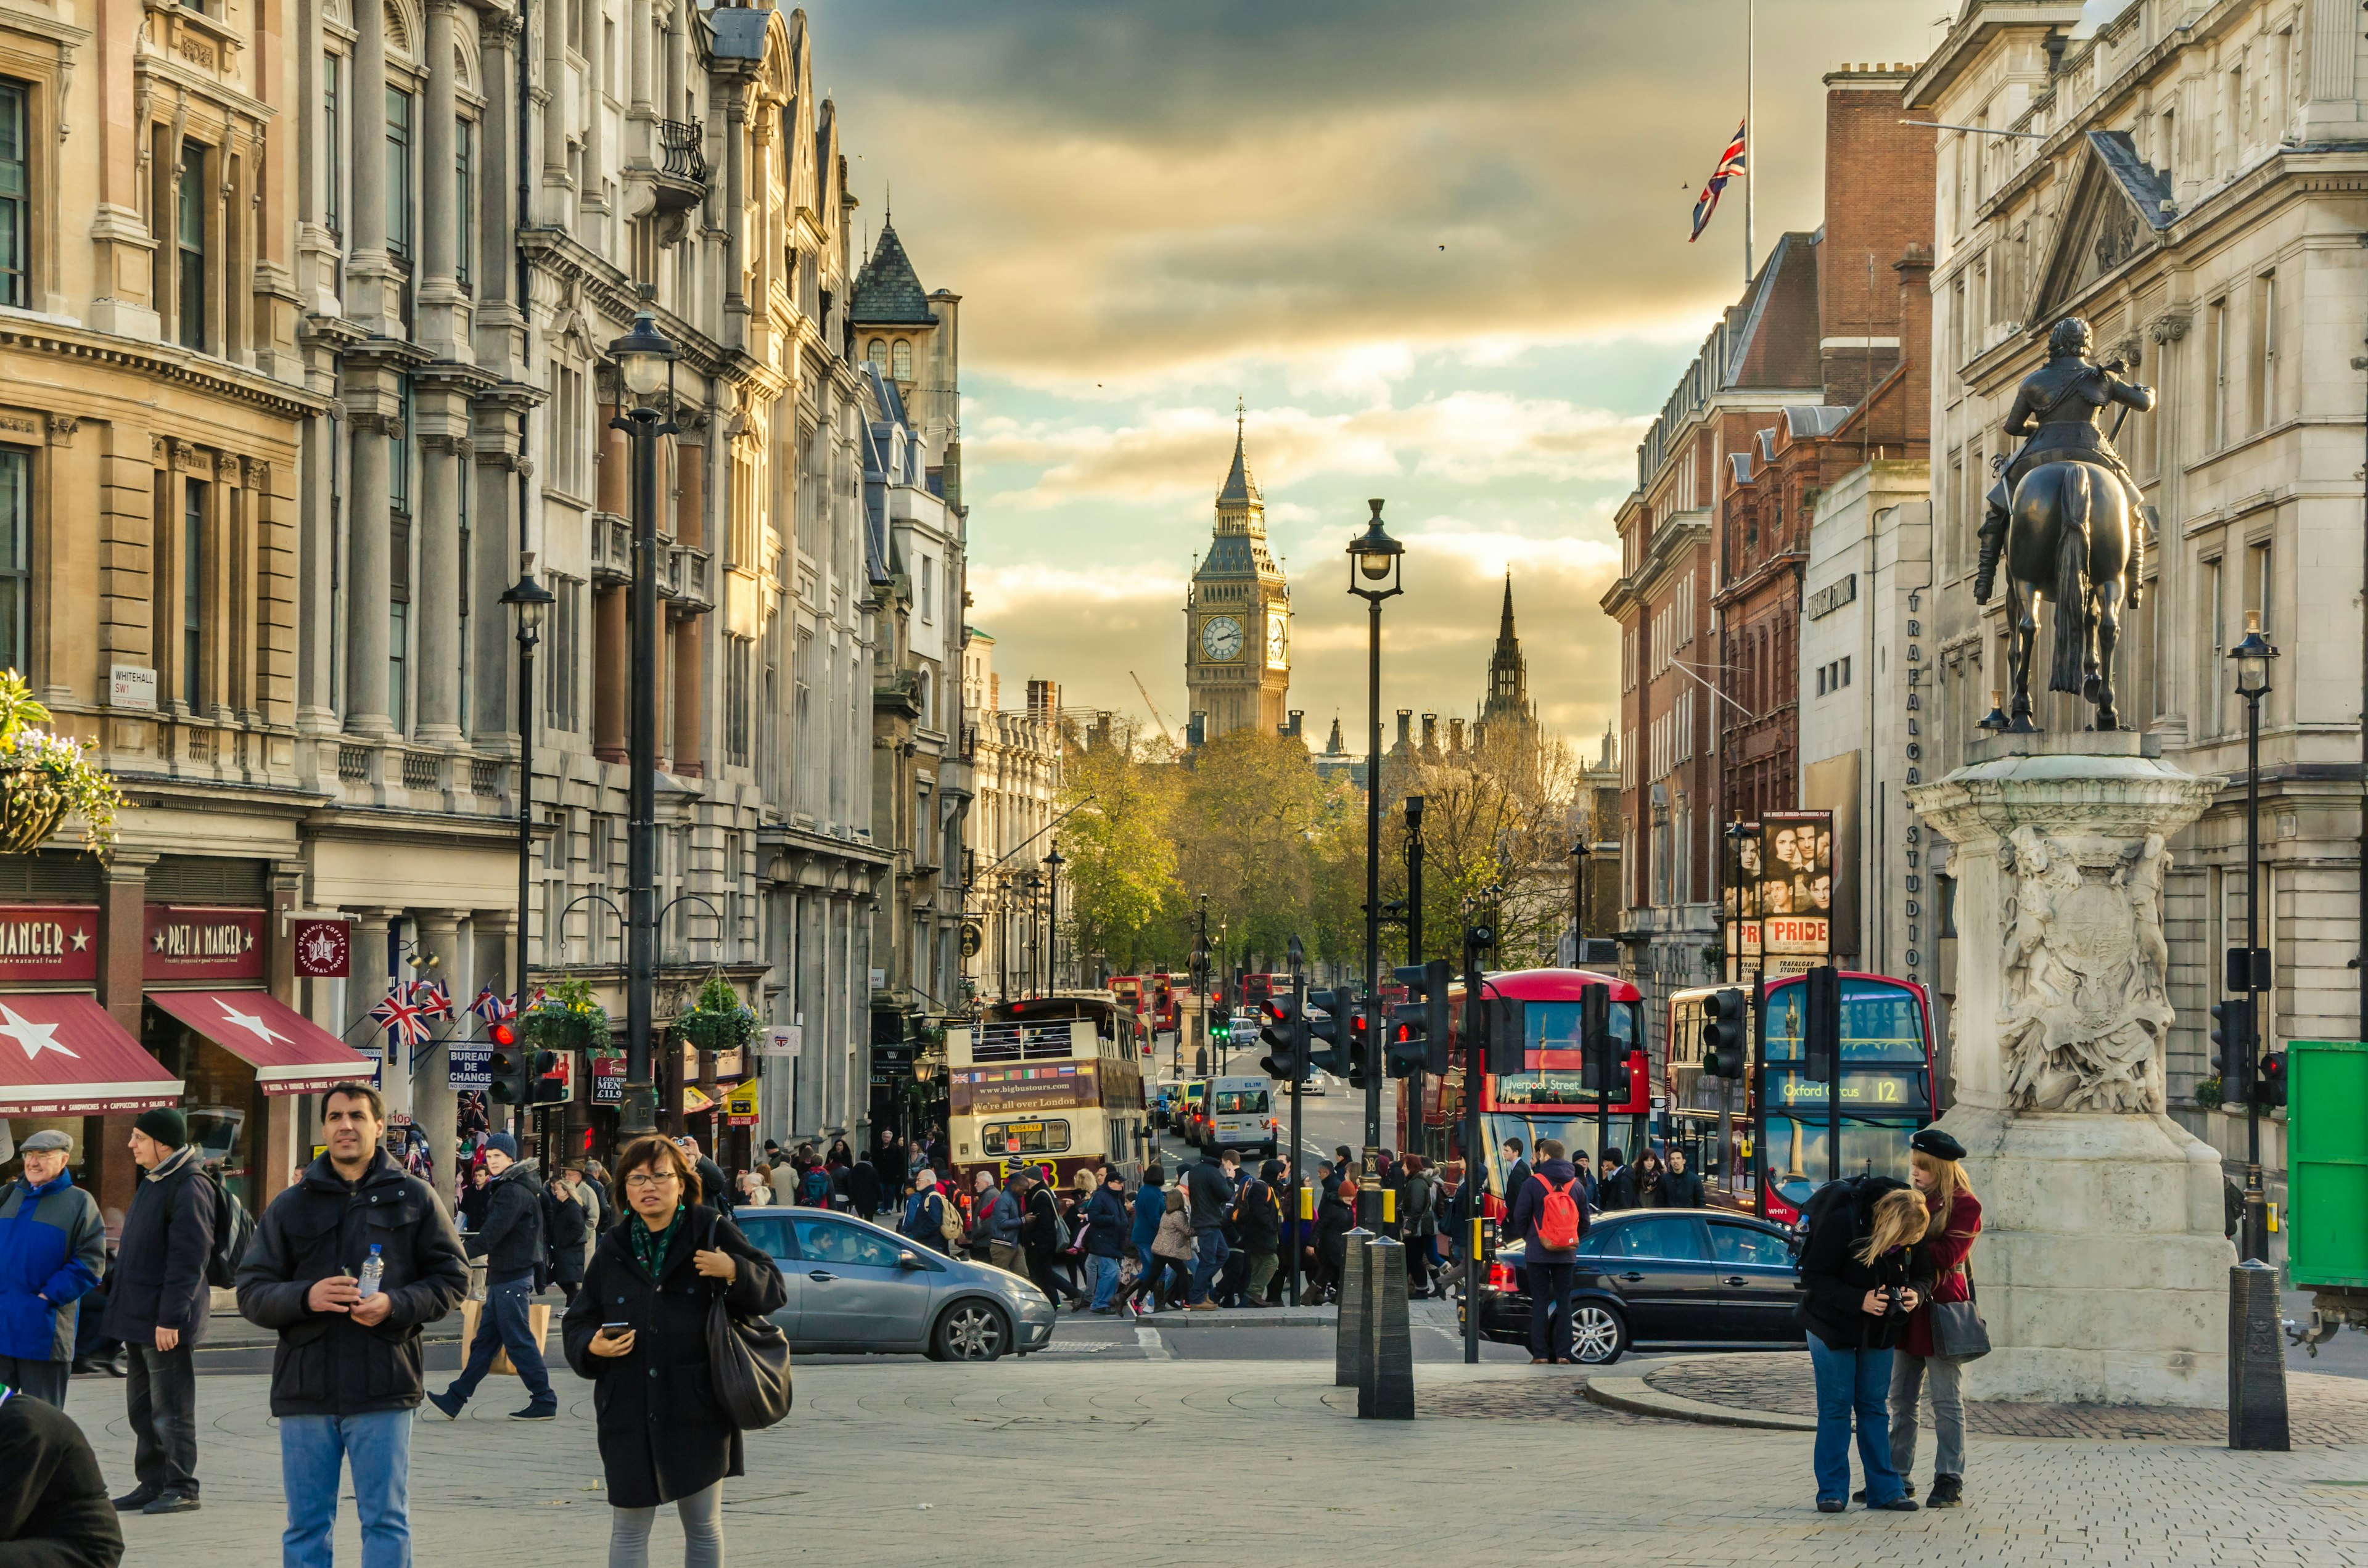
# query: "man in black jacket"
[510,1241]
[1618,1188]
[156,1304]
[54,1508]
[1209,1195]
[348,1374]
[1681,1189]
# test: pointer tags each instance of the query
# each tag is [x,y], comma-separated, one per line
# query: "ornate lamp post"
[1052,864]
[1376,572]
[531,600]
[645,362]
[2251,656]
[1579,851]
[1032,881]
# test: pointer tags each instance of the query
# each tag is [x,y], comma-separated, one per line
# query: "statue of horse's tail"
[2068,668]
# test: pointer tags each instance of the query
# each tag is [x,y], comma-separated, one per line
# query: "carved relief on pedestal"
[2083,1007]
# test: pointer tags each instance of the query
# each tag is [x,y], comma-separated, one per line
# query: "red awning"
[289,1052]
[63,1054]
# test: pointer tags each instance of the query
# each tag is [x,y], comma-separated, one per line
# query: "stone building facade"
[1015,777]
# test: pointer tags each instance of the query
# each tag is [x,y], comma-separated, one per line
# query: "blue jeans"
[1211,1262]
[1103,1272]
[503,1326]
[1853,1382]
[313,1448]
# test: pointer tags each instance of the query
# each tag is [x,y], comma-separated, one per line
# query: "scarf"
[650,1246]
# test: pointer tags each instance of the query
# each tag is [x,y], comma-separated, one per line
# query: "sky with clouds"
[1439,251]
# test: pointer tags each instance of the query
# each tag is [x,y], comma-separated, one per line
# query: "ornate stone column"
[369,284]
[443,311]
[369,581]
[2103,1264]
[436,597]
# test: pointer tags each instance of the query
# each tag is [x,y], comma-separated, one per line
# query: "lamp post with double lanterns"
[530,599]
[1032,881]
[645,361]
[1376,572]
[2250,973]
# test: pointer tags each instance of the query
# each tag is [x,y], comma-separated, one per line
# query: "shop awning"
[63,1054]
[289,1052]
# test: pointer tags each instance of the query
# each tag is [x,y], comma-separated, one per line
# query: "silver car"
[855,1285]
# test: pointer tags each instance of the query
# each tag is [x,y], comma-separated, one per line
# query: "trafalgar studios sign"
[1779,894]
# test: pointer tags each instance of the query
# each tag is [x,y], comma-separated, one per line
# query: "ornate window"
[15,197]
[903,369]
[190,247]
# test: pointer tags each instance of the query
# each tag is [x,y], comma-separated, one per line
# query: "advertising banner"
[1796,894]
[53,941]
[1004,1091]
[473,1067]
[187,944]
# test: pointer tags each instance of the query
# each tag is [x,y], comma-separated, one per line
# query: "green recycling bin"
[2326,1164]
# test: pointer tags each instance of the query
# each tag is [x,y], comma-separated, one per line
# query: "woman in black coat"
[563,1230]
[664,1437]
[1040,1223]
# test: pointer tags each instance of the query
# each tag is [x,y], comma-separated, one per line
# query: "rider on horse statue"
[2056,408]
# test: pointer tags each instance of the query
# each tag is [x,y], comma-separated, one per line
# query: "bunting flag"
[399,1018]
[492,1007]
[432,1000]
[1730,167]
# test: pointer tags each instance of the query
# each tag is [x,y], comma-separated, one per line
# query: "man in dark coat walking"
[348,1374]
[863,1190]
[157,1302]
[510,1241]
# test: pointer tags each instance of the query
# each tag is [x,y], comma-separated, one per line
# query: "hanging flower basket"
[719,1020]
[45,777]
[567,1018]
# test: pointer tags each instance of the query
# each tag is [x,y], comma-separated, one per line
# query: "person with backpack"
[1855,1272]
[1550,1216]
[1043,1234]
[1257,1221]
[814,1187]
[157,1302]
[1942,1272]
[52,1246]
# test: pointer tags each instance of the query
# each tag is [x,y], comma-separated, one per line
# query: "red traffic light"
[502,1034]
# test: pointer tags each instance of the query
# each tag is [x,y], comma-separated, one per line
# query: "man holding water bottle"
[348,1372]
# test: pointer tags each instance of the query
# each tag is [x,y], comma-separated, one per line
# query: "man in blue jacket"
[52,1245]
[1107,1224]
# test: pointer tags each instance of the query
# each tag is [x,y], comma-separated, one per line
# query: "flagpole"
[1751,149]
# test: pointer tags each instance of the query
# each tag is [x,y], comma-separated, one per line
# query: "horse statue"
[2066,520]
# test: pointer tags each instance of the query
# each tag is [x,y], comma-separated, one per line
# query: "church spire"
[1240,488]
[1505,638]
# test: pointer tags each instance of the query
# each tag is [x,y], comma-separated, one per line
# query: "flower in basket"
[566,1017]
[719,1020]
[46,777]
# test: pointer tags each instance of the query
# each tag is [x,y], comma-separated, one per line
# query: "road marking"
[1148,1339]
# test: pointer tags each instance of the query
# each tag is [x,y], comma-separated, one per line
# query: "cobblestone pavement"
[1092,1461]
[2323,1412]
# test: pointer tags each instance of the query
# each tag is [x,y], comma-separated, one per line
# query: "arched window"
[904,371]
[877,352]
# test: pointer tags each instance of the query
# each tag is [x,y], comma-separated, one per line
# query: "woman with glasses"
[638,1329]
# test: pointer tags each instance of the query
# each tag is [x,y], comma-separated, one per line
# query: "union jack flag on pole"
[1730,167]
[492,1007]
[432,1000]
[398,1017]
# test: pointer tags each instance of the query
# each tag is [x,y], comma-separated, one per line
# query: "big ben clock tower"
[1237,616]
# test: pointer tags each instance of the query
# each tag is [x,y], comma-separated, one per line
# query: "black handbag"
[1958,1331]
[748,1361]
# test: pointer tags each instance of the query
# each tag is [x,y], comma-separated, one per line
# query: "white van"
[1241,1115]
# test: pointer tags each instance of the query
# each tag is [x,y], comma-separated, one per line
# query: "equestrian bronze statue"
[2066,518]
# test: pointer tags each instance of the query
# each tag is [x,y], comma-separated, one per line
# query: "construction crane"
[1152,706]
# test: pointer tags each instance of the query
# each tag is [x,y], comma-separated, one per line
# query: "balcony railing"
[684,143]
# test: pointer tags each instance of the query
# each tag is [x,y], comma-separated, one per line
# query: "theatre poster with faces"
[1779,894]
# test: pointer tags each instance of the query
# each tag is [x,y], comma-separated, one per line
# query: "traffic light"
[507,1067]
[1328,1048]
[1421,1037]
[2269,1089]
[1283,1032]
[1220,1028]
[1726,1034]
[1821,1028]
[550,1084]
[1599,1067]
[2232,1052]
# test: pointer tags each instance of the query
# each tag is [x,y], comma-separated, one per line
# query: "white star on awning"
[252,1024]
[35,1038]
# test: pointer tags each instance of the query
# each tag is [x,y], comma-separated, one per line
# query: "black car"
[1664,1278]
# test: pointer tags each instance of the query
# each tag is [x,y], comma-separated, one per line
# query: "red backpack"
[1558,1217]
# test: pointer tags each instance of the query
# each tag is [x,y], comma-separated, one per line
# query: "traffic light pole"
[1301,1045]
[1414,878]
[1476,1158]
[1368,1196]
[2257,1228]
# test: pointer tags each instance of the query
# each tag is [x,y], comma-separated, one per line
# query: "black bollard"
[1350,1346]
[2257,1360]
[1385,1388]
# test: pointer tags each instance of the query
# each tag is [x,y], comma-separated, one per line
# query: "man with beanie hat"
[156,1304]
[52,1245]
[510,1241]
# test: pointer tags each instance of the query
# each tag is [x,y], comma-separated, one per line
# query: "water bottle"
[373,1271]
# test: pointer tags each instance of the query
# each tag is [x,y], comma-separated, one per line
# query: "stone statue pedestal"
[2103,1265]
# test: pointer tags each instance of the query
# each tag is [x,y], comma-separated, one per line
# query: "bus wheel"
[1599,1336]
[972,1330]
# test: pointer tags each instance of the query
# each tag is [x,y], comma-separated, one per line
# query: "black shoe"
[446,1406]
[1896,1505]
[1948,1491]
[1859,1495]
[173,1503]
[137,1498]
[1830,1504]
[536,1413]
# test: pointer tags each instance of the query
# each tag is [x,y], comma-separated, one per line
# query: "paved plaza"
[1074,1458]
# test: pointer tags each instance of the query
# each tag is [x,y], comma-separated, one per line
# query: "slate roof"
[1239,485]
[2144,184]
[738,31]
[887,291]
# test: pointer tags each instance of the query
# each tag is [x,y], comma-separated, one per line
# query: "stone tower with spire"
[1507,705]
[1237,614]
[914,336]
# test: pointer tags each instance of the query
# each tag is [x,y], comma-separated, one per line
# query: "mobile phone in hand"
[614,1330]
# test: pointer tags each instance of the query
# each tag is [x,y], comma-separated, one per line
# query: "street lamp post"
[1032,882]
[1376,572]
[2251,656]
[645,370]
[530,599]
[1052,864]
[1579,851]
[1414,878]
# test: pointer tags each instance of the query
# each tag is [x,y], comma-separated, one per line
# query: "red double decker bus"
[1550,1097]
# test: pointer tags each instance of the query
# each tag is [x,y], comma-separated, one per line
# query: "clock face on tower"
[1278,642]
[1221,639]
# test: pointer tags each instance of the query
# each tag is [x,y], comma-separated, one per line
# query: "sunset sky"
[1439,250]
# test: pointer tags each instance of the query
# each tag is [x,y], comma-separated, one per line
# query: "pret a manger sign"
[186,943]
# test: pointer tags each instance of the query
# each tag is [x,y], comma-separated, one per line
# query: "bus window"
[1550,1031]
[1242,1102]
[1881,1022]
[1050,1137]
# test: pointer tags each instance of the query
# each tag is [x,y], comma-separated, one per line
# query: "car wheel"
[1599,1335]
[972,1330]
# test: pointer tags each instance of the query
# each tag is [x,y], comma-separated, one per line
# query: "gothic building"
[1507,707]
[1237,617]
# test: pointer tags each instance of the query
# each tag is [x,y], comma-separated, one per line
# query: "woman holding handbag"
[1946,1331]
[641,1329]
